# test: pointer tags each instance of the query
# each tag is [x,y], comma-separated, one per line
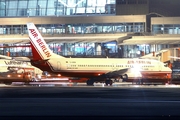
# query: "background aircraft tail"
[40,49]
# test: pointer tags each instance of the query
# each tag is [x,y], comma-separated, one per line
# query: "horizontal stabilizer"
[24,59]
[5,57]
[39,61]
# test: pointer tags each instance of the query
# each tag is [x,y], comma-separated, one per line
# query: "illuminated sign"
[40,42]
[138,62]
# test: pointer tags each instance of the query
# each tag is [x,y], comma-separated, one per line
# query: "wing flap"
[116,73]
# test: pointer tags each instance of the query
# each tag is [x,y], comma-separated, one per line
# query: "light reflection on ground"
[68,84]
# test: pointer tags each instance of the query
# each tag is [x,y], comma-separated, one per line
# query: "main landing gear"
[109,82]
[124,77]
[91,81]
[138,82]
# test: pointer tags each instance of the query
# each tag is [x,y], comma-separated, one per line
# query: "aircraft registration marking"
[72,61]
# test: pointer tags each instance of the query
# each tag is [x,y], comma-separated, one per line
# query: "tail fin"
[39,47]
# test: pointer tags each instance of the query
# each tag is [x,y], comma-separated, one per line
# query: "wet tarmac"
[78,100]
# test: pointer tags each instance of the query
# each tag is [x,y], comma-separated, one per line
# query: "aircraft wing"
[16,66]
[25,59]
[127,72]
[116,72]
[5,57]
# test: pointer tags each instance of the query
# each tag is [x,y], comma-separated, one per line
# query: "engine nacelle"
[131,74]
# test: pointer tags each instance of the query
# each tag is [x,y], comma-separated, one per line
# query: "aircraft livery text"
[40,42]
[138,62]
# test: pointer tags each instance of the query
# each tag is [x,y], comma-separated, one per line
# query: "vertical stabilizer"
[39,47]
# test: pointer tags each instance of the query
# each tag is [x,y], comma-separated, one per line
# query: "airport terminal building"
[91,28]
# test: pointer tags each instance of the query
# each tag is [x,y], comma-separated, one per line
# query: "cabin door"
[59,65]
[160,67]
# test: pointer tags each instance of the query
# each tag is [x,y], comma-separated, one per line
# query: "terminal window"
[121,2]
[132,1]
[142,1]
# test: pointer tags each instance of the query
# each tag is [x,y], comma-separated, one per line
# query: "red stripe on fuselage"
[77,73]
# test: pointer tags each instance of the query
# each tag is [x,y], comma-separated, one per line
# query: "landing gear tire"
[124,77]
[26,83]
[75,83]
[116,80]
[108,82]
[139,82]
[90,82]
[142,82]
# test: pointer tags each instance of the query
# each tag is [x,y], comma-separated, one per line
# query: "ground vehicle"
[8,78]
[19,74]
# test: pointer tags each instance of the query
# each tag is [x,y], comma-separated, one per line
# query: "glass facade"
[109,49]
[166,29]
[34,8]
[15,49]
[135,51]
[95,28]
[55,7]
[65,49]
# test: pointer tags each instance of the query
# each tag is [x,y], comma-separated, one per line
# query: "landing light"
[136,67]
[8,75]
[137,71]
[99,74]
[59,74]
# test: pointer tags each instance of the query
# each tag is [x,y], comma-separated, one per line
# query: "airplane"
[12,69]
[94,69]
[16,63]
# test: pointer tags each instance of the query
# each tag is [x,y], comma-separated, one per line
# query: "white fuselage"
[98,66]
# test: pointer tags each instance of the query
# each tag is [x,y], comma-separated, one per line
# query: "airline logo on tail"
[38,42]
